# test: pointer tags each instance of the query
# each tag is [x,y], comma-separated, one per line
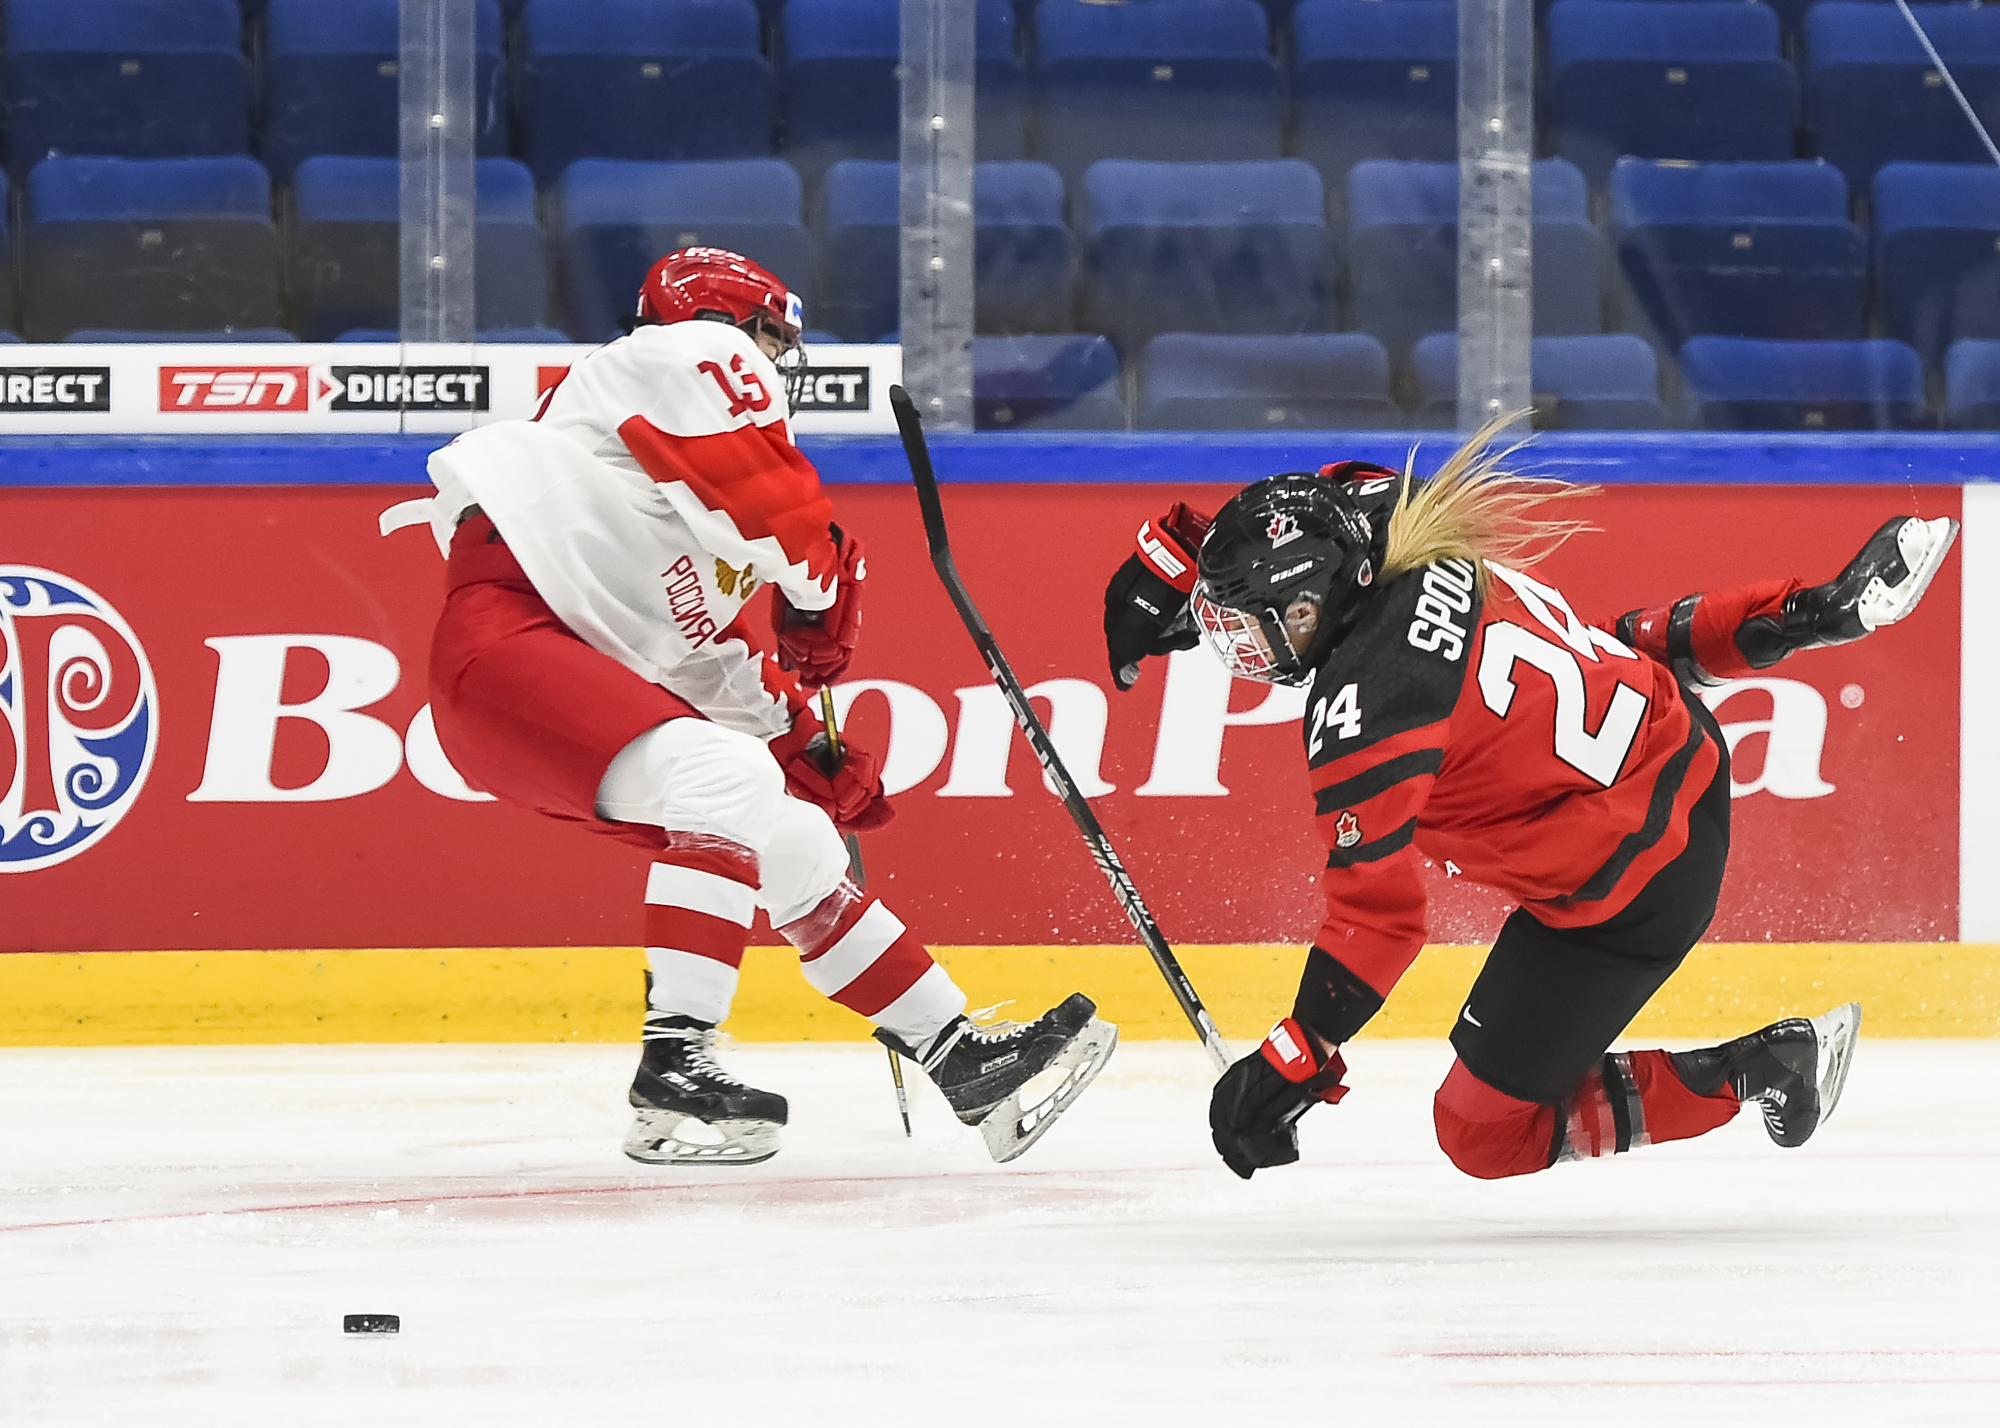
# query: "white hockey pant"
[743,843]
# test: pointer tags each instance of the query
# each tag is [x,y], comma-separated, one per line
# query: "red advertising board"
[274,785]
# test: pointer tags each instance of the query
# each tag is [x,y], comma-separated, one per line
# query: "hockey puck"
[371,1324]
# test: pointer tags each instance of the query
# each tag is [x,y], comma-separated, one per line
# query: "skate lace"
[698,1051]
[987,1029]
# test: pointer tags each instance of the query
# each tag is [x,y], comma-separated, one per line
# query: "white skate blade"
[1836,1033]
[1923,546]
[1009,1129]
[674,1138]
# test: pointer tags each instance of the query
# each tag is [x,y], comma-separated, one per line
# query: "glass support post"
[437,198]
[939,52]
[1496,67]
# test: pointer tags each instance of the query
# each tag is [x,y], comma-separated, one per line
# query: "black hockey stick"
[912,427]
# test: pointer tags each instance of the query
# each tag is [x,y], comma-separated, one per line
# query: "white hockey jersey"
[654,493]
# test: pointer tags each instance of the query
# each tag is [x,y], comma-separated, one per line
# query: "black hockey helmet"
[1316,535]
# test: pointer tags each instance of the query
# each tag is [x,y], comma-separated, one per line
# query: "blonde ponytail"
[1474,510]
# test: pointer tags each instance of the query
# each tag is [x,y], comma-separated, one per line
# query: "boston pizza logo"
[79,718]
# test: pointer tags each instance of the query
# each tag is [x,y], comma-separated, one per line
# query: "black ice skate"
[1879,587]
[1793,1070]
[692,1112]
[984,1071]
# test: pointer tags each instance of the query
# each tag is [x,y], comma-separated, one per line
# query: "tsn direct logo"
[256,389]
[249,389]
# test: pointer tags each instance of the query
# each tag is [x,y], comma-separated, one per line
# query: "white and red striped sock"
[701,896]
[858,953]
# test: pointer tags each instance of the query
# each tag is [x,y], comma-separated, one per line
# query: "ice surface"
[181,1230]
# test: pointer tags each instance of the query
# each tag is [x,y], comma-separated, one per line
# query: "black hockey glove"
[1146,603]
[1254,1111]
[1143,615]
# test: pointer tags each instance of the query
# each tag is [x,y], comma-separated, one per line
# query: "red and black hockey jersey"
[1503,737]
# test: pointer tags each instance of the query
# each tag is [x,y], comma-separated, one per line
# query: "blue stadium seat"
[1748,384]
[1972,385]
[1403,251]
[860,250]
[841,99]
[1937,253]
[1024,265]
[343,260]
[1872,94]
[1374,81]
[1609,382]
[330,80]
[636,79]
[223,334]
[491,337]
[1045,383]
[1183,80]
[1203,248]
[136,78]
[1319,381]
[1026,260]
[166,244]
[1737,250]
[1667,79]
[619,217]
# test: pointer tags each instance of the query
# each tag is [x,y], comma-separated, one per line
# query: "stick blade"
[910,424]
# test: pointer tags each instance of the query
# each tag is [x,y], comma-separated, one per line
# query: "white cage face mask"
[1237,638]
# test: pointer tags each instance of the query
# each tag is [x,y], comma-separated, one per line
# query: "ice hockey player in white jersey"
[593,663]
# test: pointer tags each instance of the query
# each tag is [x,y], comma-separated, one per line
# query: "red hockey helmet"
[691,282]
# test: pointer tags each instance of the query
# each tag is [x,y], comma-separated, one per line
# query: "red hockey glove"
[850,793]
[1254,1112]
[1145,604]
[819,643]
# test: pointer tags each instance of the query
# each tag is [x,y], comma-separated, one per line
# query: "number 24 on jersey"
[1341,716]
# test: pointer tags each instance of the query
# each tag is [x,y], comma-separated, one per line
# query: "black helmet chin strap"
[1287,667]
[1329,633]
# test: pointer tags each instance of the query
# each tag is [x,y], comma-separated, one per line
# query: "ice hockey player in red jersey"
[1461,710]
[593,663]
